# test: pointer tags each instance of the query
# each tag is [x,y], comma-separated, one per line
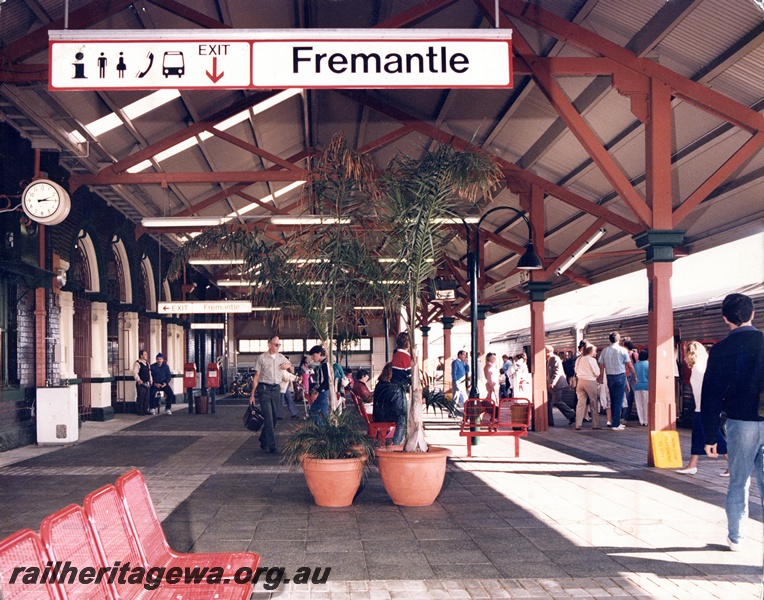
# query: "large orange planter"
[333,482]
[413,478]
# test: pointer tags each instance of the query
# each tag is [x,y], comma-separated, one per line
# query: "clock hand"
[46,199]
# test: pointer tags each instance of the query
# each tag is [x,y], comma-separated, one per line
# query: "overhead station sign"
[200,306]
[267,59]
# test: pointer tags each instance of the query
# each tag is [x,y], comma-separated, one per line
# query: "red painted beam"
[584,134]
[510,169]
[187,132]
[252,148]
[189,14]
[82,18]
[415,14]
[732,164]
[103,178]
[695,93]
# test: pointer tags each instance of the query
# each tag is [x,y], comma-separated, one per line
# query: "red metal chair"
[68,537]
[152,542]
[377,431]
[24,549]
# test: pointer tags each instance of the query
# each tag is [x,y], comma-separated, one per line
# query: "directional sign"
[508,283]
[291,58]
[149,65]
[232,306]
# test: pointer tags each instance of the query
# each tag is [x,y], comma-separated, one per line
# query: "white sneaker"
[734,547]
[153,411]
[168,412]
[621,427]
[688,471]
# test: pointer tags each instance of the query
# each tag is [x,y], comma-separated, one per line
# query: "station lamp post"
[529,261]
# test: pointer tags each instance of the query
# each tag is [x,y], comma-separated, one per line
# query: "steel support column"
[448,324]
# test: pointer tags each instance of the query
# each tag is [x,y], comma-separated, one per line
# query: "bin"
[202,403]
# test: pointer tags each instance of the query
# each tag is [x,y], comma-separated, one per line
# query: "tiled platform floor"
[578,514]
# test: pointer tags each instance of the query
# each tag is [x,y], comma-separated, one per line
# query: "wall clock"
[46,202]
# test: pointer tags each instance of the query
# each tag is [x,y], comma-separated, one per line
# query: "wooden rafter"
[580,128]
[696,94]
[510,170]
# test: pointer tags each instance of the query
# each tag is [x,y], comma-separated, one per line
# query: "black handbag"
[253,417]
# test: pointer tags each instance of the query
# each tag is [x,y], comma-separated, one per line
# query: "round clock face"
[46,202]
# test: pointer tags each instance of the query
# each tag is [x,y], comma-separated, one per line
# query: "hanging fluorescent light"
[368,308]
[310,220]
[216,261]
[235,283]
[578,253]
[151,222]
[207,325]
[455,220]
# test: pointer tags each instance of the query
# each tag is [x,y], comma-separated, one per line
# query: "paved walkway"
[576,515]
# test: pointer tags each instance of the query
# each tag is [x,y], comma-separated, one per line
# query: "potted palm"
[332,452]
[424,195]
[324,269]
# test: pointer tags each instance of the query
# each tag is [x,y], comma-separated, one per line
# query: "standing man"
[615,362]
[505,390]
[142,375]
[161,378]
[460,371]
[320,405]
[556,383]
[266,387]
[734,383]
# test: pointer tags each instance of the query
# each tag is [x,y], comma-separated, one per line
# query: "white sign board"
[268,59]
[381,64]
[197,306]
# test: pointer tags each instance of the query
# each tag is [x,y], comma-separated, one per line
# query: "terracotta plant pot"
[333,482]
[413,478]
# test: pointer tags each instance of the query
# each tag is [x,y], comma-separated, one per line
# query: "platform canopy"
[578,130]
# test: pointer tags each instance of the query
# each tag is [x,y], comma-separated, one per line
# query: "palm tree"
[326,268]
[423,196]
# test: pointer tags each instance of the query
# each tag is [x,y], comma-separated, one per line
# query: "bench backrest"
[24,549]
[143,517]
[107,515]
[478,414]
[514,413]
[68,537]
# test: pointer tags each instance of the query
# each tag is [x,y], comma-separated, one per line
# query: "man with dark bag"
[266,387]
[733,384]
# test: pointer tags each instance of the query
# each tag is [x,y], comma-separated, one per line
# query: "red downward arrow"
[214,75]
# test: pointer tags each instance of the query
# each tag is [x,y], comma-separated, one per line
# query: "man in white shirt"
[266,387]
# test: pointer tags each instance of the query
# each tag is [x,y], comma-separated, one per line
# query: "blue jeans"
[269,398]
[616,385]
[320,406]
[745,441]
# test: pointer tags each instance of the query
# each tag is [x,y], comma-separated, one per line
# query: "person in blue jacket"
[734,384]
[161,378]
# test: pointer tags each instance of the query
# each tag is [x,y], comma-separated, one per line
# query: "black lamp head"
[530,261]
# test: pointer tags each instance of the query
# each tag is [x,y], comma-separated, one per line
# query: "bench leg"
[469,446]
